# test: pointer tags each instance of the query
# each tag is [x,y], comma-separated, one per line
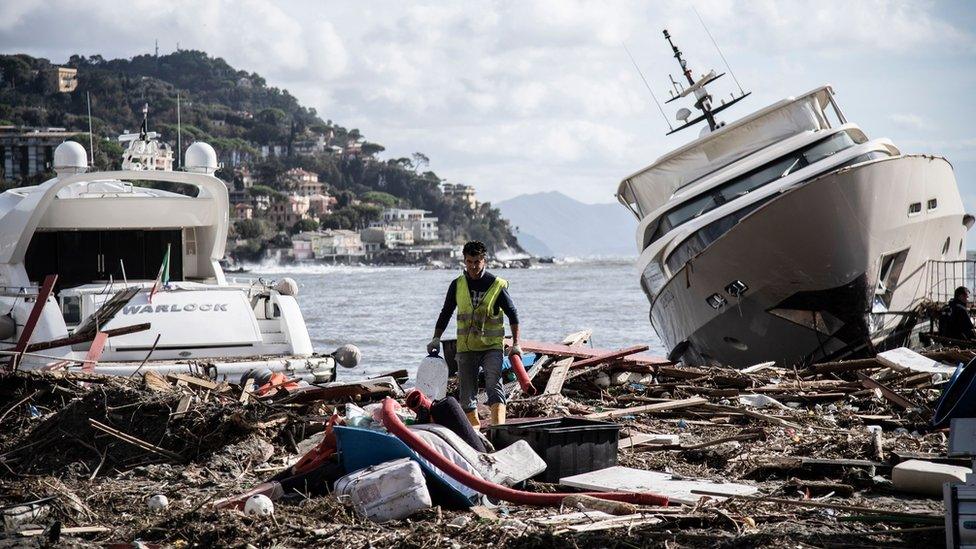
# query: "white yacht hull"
[815,250]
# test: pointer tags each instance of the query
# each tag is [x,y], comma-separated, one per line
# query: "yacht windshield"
[700,239]
[748,182]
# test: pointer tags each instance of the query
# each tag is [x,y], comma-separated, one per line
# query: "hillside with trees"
[253,126]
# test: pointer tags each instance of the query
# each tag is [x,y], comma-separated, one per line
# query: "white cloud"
[538,95]
[910,121]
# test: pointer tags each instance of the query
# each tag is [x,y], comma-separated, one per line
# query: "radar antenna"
[703,99]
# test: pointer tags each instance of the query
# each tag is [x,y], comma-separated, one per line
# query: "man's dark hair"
[960,291]
[475,249]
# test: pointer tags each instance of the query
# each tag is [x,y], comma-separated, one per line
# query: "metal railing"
[943,277]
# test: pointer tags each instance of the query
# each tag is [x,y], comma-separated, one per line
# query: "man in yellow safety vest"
[480,298]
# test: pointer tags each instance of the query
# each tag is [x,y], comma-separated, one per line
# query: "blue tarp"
[361,448]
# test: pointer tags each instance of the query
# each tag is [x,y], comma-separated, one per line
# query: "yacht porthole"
[960,245]
[945,247]
[735,343]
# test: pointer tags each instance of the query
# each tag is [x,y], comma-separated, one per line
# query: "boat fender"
[348,355]
[8,327]
[287,286]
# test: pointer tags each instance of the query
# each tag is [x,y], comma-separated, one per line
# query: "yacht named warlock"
[790,234]
[127,251]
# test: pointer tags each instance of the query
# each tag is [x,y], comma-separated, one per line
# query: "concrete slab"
[924,477]
[903,358]
[626,479]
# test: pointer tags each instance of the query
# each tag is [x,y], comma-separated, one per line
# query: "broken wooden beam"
[35,314]
[557,375]
[887,392]
[650,408]
[609,356]
[72,339]
[134,441]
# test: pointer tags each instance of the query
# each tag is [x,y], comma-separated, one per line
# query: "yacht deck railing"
[945,276]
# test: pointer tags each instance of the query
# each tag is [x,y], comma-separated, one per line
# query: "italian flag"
[162,279]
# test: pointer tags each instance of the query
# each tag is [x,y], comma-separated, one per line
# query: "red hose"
[416,400]
[490,489]
[523,377]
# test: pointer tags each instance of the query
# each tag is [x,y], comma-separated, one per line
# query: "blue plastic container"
[958,398]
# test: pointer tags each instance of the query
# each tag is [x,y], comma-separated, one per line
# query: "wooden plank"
[565,350]
[134,441]
[644,438]
[627,479]
[886,391]
[609,356]
[560,369]
[192,380]
[74,339]
[484,513]
[650,408]
[94,352]
[69,530]
[25,334]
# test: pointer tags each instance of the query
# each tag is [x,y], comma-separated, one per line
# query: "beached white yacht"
[790,234]
[102,233]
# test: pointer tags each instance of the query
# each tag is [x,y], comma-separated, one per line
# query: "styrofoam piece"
[758,367]
[389,491]
[507,467]
[626,479]
[925,477]
[760,401]
[647,438]
[432,377]
[903,358]
[158,502]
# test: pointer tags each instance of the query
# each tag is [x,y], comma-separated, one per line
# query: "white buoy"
[259,505]
[348,355]
[158,502]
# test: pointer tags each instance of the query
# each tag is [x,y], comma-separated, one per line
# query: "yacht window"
[71,309]
[746,183]
[945,247]
[914,208]
[653,279]
[933,204]
[191,240]
[888,275]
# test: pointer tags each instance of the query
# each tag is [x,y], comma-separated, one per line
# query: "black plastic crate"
[568,445]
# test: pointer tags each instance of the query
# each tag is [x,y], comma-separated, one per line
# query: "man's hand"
[434,346]
[514,349]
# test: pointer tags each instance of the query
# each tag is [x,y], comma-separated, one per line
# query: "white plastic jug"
[432,377]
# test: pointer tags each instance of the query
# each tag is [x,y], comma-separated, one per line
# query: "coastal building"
[289,211]
[274,150]
[25,152]
[262,202]
[243,210]
[312,144]
[386,237]
[303,182]
[458,191]
[319,204]
[63,79]
[301,246]
[424,228]
[337,243]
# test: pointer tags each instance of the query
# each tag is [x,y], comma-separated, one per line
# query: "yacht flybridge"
[790,234]
[107,235]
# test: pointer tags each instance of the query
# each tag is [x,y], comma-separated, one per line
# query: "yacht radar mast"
[703,100]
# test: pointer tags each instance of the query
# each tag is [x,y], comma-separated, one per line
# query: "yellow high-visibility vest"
[478,329]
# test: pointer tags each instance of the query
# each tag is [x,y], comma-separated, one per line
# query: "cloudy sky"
[528,96]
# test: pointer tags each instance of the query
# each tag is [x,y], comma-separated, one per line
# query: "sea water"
[390,312]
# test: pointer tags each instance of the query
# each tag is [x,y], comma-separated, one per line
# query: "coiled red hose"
[490,489]
[523,377]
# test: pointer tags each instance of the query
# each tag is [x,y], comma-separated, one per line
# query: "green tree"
[304,225]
